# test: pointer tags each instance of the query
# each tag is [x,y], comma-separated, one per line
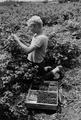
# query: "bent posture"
[37,49]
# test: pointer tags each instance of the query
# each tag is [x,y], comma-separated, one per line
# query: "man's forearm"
[24,47]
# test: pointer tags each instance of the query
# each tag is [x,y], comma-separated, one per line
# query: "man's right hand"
[47,68]
[10,37]
[16,38]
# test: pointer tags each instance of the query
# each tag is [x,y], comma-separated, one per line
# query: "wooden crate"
[34,99]
[43,98]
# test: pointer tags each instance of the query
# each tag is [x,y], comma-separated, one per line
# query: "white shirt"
[41,43]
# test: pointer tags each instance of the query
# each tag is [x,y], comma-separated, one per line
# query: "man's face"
[31,28]
[34,28]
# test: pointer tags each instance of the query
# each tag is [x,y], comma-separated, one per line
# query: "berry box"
[45,96]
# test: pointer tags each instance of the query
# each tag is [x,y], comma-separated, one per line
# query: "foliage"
[16,72]
[64,54]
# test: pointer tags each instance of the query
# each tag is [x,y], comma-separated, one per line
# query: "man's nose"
[27,28]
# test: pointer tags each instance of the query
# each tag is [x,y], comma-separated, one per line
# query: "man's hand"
[47,68]
[57,69]
[16,38]
[9,38]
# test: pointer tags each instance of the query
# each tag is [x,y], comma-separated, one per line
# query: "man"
[37,49]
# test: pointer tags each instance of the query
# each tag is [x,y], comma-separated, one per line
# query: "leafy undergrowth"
[62,25]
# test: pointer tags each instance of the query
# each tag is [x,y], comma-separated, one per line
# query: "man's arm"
[26,48]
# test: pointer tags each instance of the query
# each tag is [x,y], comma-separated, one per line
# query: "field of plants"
[62,24]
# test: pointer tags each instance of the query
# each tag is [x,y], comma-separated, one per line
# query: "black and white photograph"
[40,59]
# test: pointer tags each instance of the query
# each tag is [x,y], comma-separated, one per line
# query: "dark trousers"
[41,66]
[47,75]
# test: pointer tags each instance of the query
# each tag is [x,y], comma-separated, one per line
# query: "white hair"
[34,20]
